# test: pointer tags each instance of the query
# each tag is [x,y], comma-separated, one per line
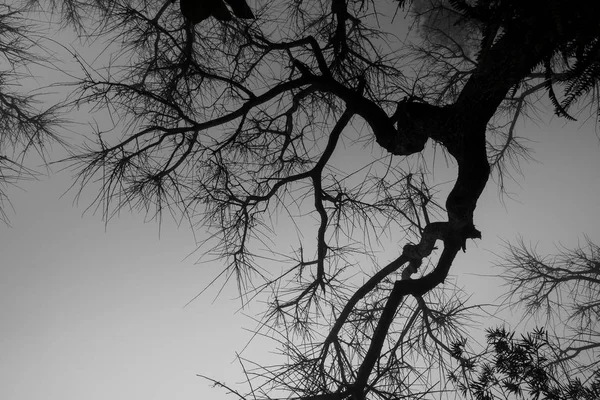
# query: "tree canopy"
[25,125]
[240,125]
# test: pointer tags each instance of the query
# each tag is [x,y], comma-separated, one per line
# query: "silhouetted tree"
[523,368]
[563,289]
[248,130]
[24,127]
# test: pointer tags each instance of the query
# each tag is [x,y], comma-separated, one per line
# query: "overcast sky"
[94,311]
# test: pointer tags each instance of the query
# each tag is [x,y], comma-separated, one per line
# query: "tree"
[244,130]
[557,364]
[23,126]
[564,290]
[524,368]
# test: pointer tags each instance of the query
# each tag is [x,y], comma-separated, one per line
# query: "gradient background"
[94,311]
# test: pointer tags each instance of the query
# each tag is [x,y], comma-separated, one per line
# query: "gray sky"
[97,312]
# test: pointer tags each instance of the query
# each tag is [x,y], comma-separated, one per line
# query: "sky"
[96,311]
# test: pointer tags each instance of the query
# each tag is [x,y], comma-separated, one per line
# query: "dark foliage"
[524,368]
